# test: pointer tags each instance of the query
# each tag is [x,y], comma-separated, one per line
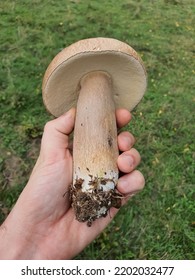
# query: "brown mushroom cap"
[62,78]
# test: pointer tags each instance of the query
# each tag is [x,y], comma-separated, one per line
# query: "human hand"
[42,224]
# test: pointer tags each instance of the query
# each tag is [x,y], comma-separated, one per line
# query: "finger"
[125,141]
[55,136]
[123,117]
[128,161]
[131,183]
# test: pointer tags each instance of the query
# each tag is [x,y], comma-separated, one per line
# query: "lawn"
[158,223]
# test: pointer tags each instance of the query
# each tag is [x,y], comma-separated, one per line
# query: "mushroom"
[96,76]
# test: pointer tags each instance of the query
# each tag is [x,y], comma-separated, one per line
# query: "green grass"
[158,223]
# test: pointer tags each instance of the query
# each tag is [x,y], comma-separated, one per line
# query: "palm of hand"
[46,220]
[54,223]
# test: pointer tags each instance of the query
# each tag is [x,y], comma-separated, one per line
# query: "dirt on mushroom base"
[91,205]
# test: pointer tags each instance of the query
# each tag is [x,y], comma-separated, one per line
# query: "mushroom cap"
[62,78]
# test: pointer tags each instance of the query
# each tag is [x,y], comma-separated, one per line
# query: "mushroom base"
[93,204]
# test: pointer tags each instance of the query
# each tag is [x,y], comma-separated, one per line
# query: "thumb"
[54,145]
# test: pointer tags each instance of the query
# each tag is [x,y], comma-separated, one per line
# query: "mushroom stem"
[95,150]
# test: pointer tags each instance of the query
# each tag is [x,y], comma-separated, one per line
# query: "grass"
[158,223]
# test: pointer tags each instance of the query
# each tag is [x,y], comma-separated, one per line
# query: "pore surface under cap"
[62,78]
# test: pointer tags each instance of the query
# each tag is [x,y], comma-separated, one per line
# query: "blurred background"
[158,223]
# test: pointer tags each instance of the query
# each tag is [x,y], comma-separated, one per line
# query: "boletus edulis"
[96,76]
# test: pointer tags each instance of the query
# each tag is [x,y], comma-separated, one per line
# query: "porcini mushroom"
[96,76]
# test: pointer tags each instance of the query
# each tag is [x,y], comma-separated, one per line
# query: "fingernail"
[128,141]
[129,159]
[123,183]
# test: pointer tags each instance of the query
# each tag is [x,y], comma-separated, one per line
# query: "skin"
[42,223]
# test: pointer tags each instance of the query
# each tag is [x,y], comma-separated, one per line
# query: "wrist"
[14,244]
